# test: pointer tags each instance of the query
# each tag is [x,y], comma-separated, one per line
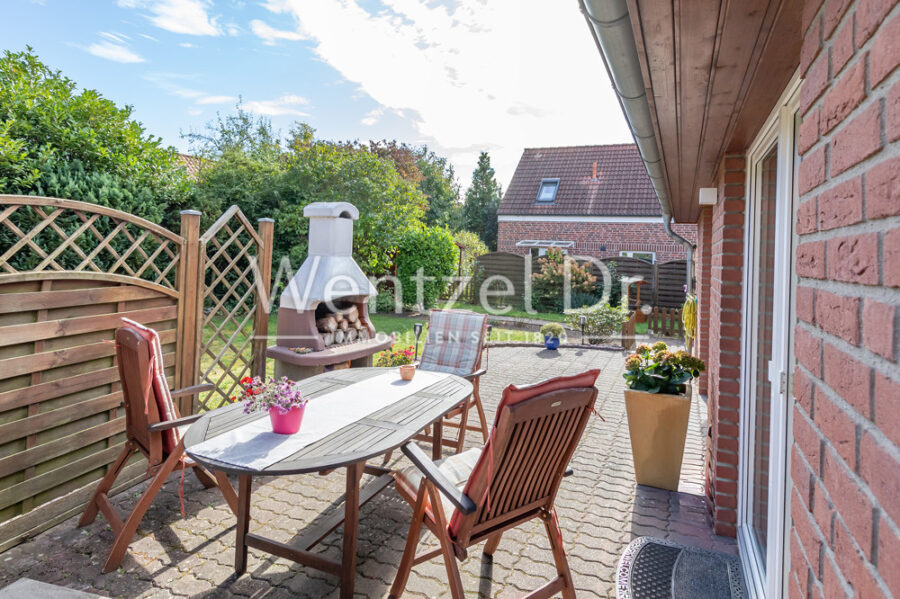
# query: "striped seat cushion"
[455,341]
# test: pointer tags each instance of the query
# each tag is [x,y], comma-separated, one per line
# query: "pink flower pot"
[287,423]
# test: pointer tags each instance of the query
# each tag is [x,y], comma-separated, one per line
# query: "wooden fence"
[69,271]
[664,282]
[665,322]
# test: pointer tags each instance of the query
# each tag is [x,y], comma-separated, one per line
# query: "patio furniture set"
[354,417]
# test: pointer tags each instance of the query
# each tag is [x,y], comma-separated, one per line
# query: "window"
[645,256]
[538,247]
[547,191]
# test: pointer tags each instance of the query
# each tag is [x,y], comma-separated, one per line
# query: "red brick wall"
[703,257]
[589,238]
[845,462]
[722,233]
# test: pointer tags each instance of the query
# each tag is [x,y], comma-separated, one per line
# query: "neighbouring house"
[191,164]
[588,201]
[774,125]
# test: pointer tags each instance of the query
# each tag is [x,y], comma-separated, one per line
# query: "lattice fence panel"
[229,250]
[66,236]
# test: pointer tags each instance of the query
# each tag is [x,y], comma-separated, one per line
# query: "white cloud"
[498,75]
[190,17]
[187,45]
[288,104]
[372,117]
[270,35]
[194,111]
[148,37]
[115,52]
[217,100]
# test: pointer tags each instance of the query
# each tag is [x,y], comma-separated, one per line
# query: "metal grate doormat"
[652,568]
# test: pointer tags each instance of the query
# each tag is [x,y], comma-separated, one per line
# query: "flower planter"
[551,342]
[407,371]
[657,424]
[286,423]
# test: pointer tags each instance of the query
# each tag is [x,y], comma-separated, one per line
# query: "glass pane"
[765,273]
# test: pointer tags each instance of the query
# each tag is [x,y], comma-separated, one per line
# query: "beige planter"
[657,424]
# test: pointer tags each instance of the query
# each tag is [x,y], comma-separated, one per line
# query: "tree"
[53,137]
[482,200]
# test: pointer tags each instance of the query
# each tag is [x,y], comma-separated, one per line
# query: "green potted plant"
[552,331]
[658,404]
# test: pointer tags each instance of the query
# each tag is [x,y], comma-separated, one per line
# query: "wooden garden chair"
[455,342]
[476,495]
[152,428]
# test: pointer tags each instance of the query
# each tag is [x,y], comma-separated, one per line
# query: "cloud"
[148,37]
[114,51]
[187,45]
[194,111]
[372,117]
[217,100]
[190,17]
[500,75]
[288,104]
[270,35]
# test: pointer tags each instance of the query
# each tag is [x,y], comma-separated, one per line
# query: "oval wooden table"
[350,447]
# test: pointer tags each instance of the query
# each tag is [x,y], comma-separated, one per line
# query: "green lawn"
[552,316]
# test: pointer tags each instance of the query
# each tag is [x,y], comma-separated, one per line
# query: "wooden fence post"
[189,309]
[266,230]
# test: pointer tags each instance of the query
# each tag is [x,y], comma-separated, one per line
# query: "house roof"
[617,186]
[191,164]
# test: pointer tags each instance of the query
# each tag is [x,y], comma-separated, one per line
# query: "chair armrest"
[475,374]
[164,426]
[192,390]
[428,468]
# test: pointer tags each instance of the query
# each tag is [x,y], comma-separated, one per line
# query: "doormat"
[653,568]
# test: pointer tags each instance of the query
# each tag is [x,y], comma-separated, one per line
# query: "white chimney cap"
[331,210]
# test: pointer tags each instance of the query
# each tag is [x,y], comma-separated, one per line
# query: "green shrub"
[472,248]
[552,329]
[547,285]
[394,357]
[602,322]
[431,249]
[657,370]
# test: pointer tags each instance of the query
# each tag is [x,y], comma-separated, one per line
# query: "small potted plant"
[552,332]
[283,399]
[402,358]
[658,404]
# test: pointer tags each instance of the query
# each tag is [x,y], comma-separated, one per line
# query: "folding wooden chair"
[152,428]
[512,480]
[455,342]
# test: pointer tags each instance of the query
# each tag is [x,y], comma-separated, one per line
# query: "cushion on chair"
[511,396]
[454,343]
[160,387]
[456,468]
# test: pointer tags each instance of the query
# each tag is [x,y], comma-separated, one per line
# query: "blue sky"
[460,76]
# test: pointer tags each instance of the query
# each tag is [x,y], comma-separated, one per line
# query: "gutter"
[611,28]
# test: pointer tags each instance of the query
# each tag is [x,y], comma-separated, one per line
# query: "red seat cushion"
[512,395]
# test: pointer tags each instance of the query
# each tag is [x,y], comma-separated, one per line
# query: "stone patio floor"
[600,511]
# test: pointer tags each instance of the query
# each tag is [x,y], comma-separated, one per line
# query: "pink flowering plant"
[265,394]
[655,369]
[394,357]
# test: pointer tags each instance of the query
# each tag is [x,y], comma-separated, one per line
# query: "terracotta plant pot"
[407,371]
[288,423]
[657,424]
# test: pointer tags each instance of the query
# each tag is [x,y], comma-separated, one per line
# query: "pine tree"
[482,200]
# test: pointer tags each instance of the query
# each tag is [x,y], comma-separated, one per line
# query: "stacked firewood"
[342,327]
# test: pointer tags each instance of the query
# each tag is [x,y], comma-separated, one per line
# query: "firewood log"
[351,335]
[344,325]
[339,336]
[357,324]
[363,334]
[328,339]
[352,314]
[327,324]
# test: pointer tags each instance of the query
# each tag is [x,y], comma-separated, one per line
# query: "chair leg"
[440,527]
[227,490]
[204,477]
[106,483]
[463,422]
[559,552]
[123,540]
[412,541]
[493,541]
[480,408]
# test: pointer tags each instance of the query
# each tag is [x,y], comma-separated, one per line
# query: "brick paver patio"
[600,511]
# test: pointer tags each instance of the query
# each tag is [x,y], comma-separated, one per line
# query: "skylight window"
[547,191]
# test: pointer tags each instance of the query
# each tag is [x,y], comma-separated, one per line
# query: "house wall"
[845,462]
[591,238]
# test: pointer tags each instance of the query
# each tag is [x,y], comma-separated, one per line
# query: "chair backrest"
[145,389]
[535,433]
[455,342]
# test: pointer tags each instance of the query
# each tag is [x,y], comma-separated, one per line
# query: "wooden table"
[349,448]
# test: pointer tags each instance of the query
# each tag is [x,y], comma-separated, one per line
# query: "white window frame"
[769,579]
[631,254]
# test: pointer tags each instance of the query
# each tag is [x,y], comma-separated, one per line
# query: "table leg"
[437,443]
[243,524]
[351,529]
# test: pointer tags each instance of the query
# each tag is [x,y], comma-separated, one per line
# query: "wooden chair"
[152,428]
[512,480]
[455,343]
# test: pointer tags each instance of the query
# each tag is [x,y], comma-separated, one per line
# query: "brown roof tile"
[621,186]
[191,164]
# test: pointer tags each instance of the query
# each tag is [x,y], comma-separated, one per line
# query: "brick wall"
[600,240]
[721,256]
[703,256]
[845,462]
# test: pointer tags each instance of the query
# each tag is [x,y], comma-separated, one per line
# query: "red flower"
[246,380]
